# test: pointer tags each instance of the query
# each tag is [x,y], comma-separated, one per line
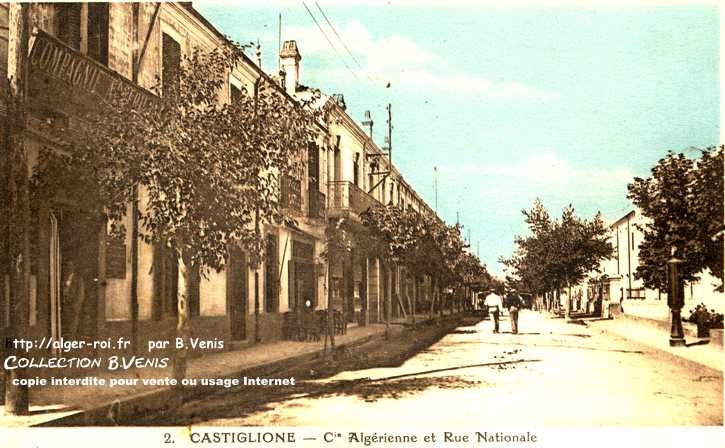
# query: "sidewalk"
[93,405]
[700,351]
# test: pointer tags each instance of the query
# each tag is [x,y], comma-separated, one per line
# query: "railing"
[345,195]
[291,194]
[317,202]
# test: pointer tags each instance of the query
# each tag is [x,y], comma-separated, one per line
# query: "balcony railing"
[346,196]
[317,202]
[291,194]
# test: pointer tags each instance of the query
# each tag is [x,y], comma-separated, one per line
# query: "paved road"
[552,373]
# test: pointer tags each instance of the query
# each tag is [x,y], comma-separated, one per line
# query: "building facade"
[85,52]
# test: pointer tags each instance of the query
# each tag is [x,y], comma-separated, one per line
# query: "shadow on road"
[242,401]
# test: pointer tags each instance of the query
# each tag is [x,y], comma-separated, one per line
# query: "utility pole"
[390,134]
[435,185]
[16,397]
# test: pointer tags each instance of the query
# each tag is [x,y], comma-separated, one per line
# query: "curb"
[168,398]
[673,354]
[689,329]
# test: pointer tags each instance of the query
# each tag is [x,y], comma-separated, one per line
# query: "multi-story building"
[130,287]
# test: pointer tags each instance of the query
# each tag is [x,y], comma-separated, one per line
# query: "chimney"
[289,61]
[339,98]
[368,122]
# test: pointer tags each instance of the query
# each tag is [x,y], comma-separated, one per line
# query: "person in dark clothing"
[514,304]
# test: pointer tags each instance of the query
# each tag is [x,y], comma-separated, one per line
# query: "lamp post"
[675,300]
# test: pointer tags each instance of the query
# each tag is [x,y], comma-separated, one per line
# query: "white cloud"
[546,171]
[399,60]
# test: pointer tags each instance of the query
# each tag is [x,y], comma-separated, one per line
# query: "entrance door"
[73,274]
[237,278]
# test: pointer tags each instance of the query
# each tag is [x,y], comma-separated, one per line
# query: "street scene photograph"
[361,223]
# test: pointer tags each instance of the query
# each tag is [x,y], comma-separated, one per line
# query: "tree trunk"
[182,326]
[415,299]
[16,397]
[432,303]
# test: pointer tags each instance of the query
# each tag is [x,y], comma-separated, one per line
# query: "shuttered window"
[171,65]
[98,31]
[68,19]
[271,295]
[235,94]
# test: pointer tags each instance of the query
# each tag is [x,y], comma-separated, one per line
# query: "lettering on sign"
[62,76]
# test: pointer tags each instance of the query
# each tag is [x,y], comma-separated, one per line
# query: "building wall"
[642,301]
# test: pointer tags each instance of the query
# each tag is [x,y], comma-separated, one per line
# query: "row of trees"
[682,203]
[558,253]
[423,244]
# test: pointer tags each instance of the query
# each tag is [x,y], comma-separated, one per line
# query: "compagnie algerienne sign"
[59,71]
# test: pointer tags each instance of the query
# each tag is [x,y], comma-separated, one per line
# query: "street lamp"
[675,300]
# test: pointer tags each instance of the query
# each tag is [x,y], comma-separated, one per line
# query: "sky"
[551,100]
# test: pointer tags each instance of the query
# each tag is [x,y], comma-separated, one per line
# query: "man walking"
[514,302]
[494,305]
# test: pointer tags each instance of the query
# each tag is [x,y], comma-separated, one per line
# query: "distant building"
[618,286]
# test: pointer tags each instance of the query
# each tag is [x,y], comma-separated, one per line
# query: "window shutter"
[68,19]
[171,65]
[291,290]
[98,31]
[235,94]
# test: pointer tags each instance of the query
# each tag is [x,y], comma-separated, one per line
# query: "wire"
[342,41]
[329,41]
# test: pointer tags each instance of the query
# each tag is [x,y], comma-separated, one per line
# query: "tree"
[560,252]
[683,203]
[423,242]
[209,172]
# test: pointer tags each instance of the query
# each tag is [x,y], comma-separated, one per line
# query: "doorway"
[237,278]
[73,274]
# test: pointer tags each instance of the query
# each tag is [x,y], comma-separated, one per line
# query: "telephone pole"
[435,186]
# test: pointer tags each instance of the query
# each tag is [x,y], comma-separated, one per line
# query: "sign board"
[63,79]
[115,259]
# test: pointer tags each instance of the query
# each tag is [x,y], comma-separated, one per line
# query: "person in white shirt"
[494,304]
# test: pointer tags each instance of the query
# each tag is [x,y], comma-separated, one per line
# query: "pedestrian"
[514,303]
[494,305]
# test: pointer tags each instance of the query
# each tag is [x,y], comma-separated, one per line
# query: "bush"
[700,314]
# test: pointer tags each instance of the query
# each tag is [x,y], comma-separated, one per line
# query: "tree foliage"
[682,202]
[423,242]
[204,167]
[558,252]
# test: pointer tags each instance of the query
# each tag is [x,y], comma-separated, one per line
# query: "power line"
[329,41]
[342,41]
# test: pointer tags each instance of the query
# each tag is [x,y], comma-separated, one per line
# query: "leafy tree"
[683,203]
[422,242]
[560,252]
[208,172]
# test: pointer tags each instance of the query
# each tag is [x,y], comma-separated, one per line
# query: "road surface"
[551,373]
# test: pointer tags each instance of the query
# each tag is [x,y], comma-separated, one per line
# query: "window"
[171,60]
[234,93]
[356,169]
[166,283]
[313,166]
[633,241]
[271,275]
[98,32]
[68,22]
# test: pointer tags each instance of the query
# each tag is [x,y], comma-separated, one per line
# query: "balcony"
[346,198]
[291,194]
[316,202]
